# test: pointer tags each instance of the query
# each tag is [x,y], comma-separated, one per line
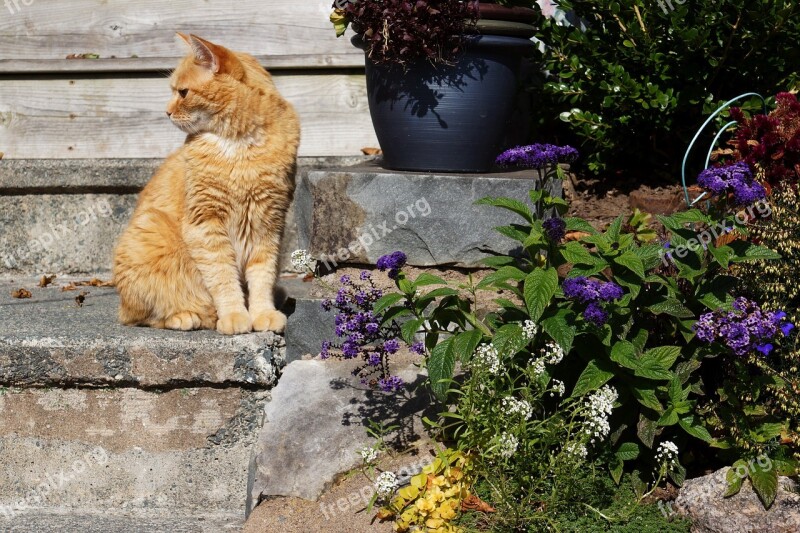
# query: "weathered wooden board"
[160,64]
[124,117]
[53,29]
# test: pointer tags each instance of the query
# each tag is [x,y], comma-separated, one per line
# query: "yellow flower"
[426,506]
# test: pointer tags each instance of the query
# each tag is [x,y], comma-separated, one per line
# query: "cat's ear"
[184,37]
[206,54]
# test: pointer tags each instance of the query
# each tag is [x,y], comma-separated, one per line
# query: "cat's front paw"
[234,324]
[269,321]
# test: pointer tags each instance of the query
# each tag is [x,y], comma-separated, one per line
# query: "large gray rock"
[355,215]
[48,340]
[316,422]
[701,499]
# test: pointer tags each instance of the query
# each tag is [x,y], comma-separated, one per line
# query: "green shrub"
[634,85]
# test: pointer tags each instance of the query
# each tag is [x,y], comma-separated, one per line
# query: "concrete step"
[66,522]
[96,417]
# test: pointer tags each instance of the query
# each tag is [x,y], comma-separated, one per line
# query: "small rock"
[701,500]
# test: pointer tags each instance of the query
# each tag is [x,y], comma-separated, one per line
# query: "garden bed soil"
[600,201]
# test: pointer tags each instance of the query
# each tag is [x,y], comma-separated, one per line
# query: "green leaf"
[428,279]
[576,253]
[614,229]
[560,328]
[663,356]
[441,364]
[465,343]
[596,374]
[509,339]
[627,451]
[765,483]
[671,307]
[648,398]
[646,430]
[498,261]
[734,480]
[747,251]
[410,328]
[632,262]
[440,292]
[502,275]
[616,467]
[386,301]
[624,353]
[578,224]
[694,427]
[514,232]
[509,204]
[678,474]
[540,287]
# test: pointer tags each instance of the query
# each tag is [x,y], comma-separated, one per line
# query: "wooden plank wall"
[113,107]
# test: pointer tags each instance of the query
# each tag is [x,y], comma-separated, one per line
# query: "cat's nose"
[169,114]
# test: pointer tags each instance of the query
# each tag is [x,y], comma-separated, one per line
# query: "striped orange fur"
[201,250]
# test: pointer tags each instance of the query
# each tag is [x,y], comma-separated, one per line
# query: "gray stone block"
[65,215]
[49,341]
[357,214]
[307,328]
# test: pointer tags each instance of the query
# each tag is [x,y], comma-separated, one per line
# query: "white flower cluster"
[667,452]
[529,329]
[368,454]
[514,407]
[558,388]
[301,259]
[508,445]
[553,353]
[599,405]
[576,450]
[537,366]
[386,484]
[486,355]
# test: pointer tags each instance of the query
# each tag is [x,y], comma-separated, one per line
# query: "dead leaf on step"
[21,294]
[575,236]
[94,282]
[81,298]
[371,151]
[83,56]
[47,280]
[473,503]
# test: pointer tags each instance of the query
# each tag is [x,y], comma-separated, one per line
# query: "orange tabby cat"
[202,248]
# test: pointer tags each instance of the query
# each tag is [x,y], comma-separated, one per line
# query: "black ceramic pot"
[446,118]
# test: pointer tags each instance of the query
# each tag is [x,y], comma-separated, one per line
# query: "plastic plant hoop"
[725,128]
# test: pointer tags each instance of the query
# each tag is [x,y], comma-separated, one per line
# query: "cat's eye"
[183,92]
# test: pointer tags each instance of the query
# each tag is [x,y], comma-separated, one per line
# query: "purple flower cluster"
[537,156]
[592,292]
[363,332]
[736,179]
[392,262]
[555,228]
[745,329]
